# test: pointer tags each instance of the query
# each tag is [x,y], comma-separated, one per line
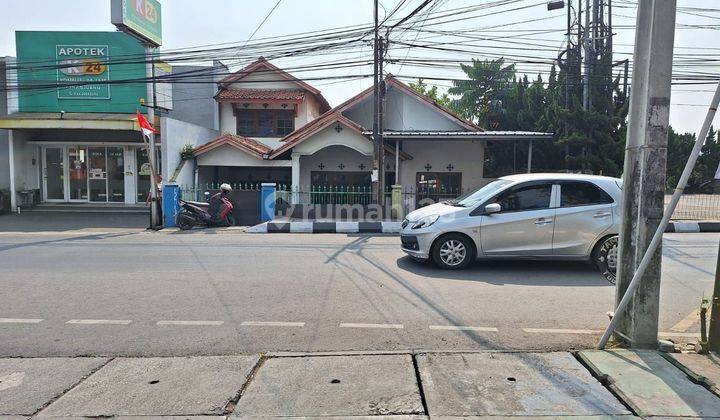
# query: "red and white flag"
[145,125]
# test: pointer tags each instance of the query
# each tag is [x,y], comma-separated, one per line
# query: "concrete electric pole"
[714,333]
[155,222]
[644,170]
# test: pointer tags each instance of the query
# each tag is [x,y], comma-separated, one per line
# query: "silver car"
[533,216]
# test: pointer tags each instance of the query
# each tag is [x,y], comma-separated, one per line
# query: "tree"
[432,93]
[482,94]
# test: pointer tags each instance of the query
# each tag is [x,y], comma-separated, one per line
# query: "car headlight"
[425,221]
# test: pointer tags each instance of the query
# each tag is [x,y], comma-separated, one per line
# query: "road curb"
[326,227]
[693,227]
[394,227]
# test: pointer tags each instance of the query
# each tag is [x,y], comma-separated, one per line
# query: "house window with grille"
[265,122]
[285,124]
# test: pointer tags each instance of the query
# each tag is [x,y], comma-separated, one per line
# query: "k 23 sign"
[83,71]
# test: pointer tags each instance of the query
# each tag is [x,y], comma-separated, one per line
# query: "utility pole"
[375,177]
[714,334]
[150,70]
[644,170]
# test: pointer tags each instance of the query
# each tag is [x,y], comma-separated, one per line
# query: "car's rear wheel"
[605,258]
[453,252]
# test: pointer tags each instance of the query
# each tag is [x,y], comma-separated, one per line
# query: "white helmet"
[226,187]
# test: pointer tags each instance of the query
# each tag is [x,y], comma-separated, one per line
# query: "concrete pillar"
[644,170]
[529,164]
[11,159]
[295,198]
[398,210]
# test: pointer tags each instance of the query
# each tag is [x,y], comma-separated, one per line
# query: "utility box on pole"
[644,170]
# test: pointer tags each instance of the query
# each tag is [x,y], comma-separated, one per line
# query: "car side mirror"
[492,208]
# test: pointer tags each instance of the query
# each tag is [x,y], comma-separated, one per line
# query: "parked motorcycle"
[196,213]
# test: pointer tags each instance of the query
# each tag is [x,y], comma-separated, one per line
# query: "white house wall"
[331,157]
[465,156]
[403,112]
[329,137]
[263,79]
[27,174]
[176,134]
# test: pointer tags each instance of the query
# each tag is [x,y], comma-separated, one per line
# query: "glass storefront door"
[97,173]
[54,164]
[143,174]
[85,173]
[77,163]
[116,174]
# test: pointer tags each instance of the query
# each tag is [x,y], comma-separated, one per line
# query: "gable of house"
[405,110]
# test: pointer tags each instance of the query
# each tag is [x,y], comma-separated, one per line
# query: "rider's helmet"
[225,187]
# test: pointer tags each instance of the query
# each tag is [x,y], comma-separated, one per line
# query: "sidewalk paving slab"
[512,384]
[157,386]
[702,369]
[27,385]
[332,386]
[651,385]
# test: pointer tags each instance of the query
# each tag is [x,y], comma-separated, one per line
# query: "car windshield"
[475,197]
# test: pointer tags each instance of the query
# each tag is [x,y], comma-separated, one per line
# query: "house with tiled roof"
[276,128]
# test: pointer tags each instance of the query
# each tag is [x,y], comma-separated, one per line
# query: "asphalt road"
[129,292]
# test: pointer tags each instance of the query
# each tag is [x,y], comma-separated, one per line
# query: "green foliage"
[679,148]
[433,94]
[187,152]
[494,97]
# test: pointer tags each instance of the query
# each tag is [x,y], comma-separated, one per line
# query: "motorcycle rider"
[216,201]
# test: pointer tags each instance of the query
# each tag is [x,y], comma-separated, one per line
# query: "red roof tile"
[289,95]
[245,144]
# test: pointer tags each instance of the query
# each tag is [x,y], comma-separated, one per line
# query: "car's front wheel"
[605,258]
[453,252]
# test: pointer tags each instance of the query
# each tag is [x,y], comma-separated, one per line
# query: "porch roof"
[70,120]
[245,144]
[464,135]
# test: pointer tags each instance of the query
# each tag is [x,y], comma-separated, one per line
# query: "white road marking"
[560,331]
[272,324]
[215,323]
[688,321]
[20,321]
[361,325]
[462,328]
[99,321]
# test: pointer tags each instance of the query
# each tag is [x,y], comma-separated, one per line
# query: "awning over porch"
[464,135]
[70,121]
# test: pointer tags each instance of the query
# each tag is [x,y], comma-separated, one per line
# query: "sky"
[189,23]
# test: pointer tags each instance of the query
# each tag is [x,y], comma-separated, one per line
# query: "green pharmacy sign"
[81,71]
[142,18]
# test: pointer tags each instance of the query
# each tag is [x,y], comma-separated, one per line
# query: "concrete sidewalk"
[392,384]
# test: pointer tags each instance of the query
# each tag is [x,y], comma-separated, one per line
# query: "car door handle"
[601,214]
[543,221]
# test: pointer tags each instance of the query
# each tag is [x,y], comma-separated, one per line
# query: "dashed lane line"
[362,325]
[99,321]
[191,323]
[20,320]
[560,331]
[272,324]
[462,328]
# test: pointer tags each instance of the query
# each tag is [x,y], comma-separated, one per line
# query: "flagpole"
[150,70]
